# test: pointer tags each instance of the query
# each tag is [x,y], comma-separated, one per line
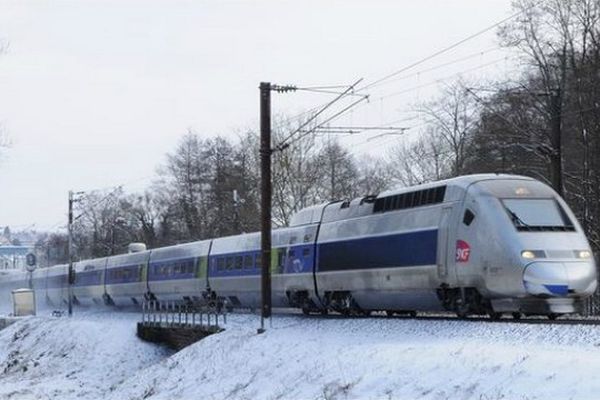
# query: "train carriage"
[178,272]
[125,281]
[57,285]
[88,285]
[235,267]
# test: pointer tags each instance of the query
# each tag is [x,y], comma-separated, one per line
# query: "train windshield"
[537,215]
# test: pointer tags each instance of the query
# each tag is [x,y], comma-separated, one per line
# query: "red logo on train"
[463,251]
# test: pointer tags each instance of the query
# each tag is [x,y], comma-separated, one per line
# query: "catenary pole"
[265,201]
[70,253]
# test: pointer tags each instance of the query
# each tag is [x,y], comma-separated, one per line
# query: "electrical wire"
[380,81]
[322,110]
[284,145]
[455,61]
[442,80]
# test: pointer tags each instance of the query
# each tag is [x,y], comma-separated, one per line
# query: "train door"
[446,272]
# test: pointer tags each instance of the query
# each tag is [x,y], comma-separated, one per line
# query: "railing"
[183,315]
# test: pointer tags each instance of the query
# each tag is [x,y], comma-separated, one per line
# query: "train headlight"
[583,254]
[531,254]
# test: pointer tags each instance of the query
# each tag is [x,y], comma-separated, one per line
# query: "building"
[13,257]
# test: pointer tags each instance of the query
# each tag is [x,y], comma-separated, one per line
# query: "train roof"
[326,212]
[461,182]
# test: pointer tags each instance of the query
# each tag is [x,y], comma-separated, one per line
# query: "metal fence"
[183,315]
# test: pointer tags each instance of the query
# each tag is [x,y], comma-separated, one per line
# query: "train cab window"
[468,217]
[238,262]
[220,264]
[537,215]
[248,261]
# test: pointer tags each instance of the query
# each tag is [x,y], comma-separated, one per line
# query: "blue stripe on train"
[399,250]
[298,259]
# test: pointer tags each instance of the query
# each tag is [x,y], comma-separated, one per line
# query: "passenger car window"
[238,262]
[258,260]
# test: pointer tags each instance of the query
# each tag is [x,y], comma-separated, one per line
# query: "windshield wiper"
[517,221]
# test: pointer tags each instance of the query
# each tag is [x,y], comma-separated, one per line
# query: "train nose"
[557,279]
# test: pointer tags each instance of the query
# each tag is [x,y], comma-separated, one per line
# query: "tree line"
[543,121]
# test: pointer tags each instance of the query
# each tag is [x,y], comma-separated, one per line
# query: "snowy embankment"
[97,355]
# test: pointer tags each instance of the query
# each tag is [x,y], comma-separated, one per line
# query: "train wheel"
[516,315]
[495,315]
[462,310]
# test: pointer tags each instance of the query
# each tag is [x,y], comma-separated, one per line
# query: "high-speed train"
[477,244]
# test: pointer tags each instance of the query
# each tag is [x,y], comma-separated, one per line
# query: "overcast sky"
[94,93]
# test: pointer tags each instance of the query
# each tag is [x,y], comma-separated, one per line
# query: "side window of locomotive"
[468,217]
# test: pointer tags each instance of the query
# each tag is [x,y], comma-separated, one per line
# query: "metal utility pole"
[70,253]
[265,201]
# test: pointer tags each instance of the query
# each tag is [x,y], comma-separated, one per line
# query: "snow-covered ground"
[97,355]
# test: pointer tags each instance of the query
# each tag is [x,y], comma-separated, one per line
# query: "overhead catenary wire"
[388,77]
[284,145]
[314,116]
[446,64]
[380,81]
[441,80]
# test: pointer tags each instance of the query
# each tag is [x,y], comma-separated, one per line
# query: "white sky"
[94,93]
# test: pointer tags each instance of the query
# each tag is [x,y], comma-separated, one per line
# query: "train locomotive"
[478,244]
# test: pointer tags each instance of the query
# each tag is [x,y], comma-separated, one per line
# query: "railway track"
[449,317]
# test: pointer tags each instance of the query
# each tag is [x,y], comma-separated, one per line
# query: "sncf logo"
[463,251]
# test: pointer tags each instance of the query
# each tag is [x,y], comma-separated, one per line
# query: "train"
[492,244]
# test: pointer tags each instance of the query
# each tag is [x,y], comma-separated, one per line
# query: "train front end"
[553,268]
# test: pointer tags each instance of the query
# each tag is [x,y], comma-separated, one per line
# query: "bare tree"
[424,160]
[453,118]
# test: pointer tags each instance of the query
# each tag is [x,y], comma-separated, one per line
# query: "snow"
[97,355]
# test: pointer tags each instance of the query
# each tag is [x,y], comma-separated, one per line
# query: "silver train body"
[472,245]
